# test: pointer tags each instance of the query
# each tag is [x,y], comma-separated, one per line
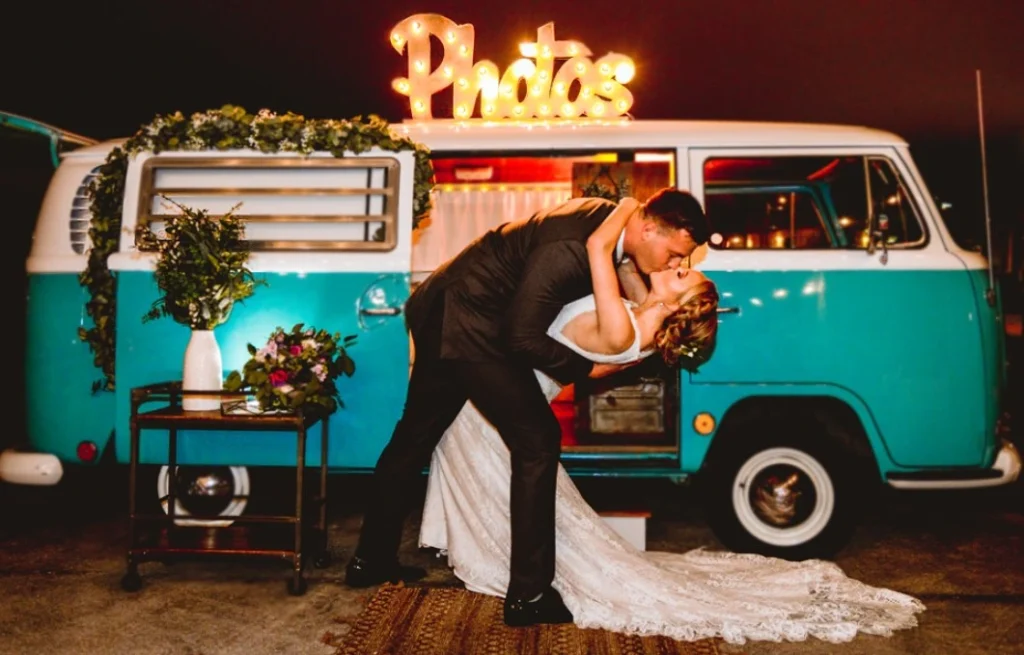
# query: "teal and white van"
[859,346]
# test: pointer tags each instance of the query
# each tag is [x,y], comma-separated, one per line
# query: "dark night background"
[103,68]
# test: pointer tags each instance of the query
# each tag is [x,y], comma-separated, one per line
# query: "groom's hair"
[673,209]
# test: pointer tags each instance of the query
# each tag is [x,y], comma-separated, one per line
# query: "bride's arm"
[614,329]
[604,370]
[632,283]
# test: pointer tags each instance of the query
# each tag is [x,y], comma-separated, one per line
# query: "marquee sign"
[598,87]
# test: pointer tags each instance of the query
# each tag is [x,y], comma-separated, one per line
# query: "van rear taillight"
[87,451]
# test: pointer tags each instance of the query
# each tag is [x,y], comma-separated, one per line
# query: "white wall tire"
[782,470]
[230,507]
[796,496]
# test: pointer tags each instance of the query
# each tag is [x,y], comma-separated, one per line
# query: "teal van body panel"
[373,397]
[718,399]
[62,410]
[874,333]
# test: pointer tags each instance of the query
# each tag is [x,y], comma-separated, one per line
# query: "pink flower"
[278,377]
[295,350]
[320,372]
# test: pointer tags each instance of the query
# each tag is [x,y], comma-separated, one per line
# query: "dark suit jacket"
[502,292]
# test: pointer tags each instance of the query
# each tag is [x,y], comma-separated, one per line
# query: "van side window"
[808,202]
[287,203]
[767,217]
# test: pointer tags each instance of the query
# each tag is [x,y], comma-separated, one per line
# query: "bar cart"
[167,541]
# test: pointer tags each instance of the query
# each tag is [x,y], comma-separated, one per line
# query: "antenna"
[990,293]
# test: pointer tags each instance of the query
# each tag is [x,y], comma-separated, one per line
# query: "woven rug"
[452,621]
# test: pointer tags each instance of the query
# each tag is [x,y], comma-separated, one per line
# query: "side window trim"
[903,179]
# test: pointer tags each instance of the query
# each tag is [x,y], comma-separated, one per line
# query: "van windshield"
[956,202]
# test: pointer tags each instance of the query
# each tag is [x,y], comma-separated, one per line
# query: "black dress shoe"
[549,608]
[363,573]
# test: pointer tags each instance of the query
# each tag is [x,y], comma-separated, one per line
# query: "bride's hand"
[606,236]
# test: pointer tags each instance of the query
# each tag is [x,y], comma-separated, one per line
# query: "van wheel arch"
[819,443]
[833,417]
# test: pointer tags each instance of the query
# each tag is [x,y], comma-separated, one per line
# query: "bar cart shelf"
[159,537]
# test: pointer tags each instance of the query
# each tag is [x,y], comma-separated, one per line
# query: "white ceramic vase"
[202,372]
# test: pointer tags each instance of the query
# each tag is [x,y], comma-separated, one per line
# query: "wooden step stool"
[630,524]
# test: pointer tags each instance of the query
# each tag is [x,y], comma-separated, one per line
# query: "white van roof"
[563,134]
[624,133]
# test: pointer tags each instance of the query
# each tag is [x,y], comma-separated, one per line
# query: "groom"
[479,326]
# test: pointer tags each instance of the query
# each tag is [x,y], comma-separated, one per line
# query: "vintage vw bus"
[857,346]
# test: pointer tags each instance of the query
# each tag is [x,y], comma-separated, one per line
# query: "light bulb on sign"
[625,71]
[602,83]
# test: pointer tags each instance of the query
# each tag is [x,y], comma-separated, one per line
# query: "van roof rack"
[55,134]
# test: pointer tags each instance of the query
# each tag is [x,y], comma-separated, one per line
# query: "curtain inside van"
[462,214]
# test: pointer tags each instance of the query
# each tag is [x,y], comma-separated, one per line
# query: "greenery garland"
[227,128]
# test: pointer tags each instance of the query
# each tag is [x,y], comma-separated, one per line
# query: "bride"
[604,581]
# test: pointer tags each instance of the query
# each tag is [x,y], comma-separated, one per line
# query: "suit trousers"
[509,396]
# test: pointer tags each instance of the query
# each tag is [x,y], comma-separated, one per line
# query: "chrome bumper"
[40,469]
[1007,468]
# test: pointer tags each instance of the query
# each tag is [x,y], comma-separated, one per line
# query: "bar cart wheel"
[296,586]
[131,581]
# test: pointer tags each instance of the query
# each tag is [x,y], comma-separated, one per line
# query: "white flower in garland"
[307,134]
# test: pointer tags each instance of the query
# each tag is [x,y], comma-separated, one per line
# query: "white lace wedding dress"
[608,583]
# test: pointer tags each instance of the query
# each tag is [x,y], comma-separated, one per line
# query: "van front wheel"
[795,500]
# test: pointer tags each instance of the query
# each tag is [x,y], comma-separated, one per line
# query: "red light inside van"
[87,451]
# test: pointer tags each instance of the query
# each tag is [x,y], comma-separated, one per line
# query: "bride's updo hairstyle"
[686,339]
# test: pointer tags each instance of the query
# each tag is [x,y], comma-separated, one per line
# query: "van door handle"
[381,311]
[728,310]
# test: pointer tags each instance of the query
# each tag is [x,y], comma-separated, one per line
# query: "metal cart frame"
[167,546]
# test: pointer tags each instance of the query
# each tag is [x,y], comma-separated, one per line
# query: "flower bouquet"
[293,370]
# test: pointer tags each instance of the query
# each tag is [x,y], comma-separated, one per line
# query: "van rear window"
[287,203]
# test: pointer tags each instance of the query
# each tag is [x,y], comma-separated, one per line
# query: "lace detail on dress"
[607,583]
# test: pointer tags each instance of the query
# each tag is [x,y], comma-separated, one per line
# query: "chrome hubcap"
[211,490]
[205,490]
[782,495]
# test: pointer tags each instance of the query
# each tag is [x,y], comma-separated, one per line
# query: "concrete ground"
[63,557]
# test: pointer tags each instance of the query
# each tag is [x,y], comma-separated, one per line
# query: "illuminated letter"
[422,82]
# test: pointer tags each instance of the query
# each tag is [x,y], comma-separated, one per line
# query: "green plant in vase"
[201,272]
